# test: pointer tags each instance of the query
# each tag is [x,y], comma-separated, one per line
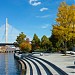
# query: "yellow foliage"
[66,33]
[65,28]
[66,14]
[25,46]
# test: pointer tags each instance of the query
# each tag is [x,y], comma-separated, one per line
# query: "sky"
[30,16]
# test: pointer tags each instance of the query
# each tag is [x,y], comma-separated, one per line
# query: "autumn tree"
[64,30]
[25,47]
[35,42]
[66,20]
[23,43]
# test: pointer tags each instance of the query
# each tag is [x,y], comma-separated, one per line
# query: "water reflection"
[8,65]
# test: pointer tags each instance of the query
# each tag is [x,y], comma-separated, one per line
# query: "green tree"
[45,43]
[20,38]
[54,40]
[35,42]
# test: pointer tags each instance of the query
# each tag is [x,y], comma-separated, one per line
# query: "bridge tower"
[6,31]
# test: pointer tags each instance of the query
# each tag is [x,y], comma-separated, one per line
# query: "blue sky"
[30,16]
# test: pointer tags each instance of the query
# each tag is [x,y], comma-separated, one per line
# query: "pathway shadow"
[73,67]
[72,72]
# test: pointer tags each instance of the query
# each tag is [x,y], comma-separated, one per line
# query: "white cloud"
[34,2]
[45,16]
[43,9]
[45,26]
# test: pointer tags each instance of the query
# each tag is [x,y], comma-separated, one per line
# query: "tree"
[54,40]
[64,30]
[62,15]
[23,43]
[25,47]
[35,42]
[21,38]
[66,20]
[61,32]
[45,43]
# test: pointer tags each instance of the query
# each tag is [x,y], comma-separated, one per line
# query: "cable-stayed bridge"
[8,33]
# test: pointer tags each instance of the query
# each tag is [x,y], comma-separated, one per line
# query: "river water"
[8,65]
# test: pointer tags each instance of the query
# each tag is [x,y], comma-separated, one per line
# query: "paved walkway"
[64,62]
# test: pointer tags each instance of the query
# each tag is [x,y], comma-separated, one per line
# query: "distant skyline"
[30,16]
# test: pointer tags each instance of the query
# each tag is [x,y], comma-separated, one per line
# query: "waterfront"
[8,65]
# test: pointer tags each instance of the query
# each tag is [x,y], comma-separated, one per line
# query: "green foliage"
[45,43]
[35,42]
[54,40]
[58,44]
[21,38]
